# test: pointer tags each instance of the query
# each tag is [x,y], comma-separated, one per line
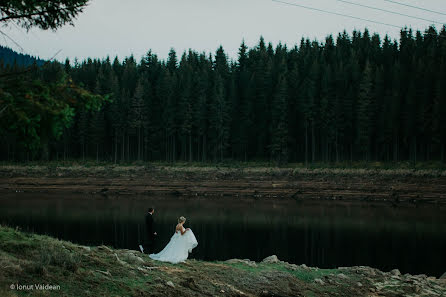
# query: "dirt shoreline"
[394,186]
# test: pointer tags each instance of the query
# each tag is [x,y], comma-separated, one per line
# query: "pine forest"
[348,98]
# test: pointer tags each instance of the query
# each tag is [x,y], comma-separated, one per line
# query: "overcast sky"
[116,27]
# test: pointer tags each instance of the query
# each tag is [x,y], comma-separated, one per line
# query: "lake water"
[325,234]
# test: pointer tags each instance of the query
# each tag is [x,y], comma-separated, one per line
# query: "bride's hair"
[181,219]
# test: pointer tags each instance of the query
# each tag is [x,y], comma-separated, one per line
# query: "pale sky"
[116,27]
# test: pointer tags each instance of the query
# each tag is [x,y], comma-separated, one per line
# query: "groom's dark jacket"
[150,226]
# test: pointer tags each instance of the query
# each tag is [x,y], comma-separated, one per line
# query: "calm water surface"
[325,234]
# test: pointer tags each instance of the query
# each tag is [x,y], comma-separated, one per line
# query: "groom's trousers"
[149,245]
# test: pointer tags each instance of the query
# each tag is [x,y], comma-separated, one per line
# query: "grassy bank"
[192,180]
[239,164]
[73,270]
[104,168]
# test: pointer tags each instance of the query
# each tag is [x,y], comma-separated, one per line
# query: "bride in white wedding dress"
[180,245]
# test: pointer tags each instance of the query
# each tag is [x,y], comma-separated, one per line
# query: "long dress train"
[178,248]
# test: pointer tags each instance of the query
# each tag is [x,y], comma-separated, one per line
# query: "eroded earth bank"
[395,186]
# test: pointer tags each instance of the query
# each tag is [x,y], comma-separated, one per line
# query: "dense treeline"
[10,57]
[351,98]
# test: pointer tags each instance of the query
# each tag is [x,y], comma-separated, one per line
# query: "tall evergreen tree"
[364,113]
[279,127]
[219,118]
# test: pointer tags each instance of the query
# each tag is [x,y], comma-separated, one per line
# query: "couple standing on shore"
[180,245]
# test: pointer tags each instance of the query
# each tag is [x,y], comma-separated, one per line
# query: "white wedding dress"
[178,248]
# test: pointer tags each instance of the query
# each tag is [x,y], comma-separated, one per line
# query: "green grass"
[225,170]
[306,275]
[247,268]
[237,164]
[311,275]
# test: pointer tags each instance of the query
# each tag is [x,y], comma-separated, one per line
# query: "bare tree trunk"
[166,146]
[221,149]
[184,148]
[128,147]
[306,144]
[198,149]
[395,148]
[327,154]
[116,147]
[204,148]
[190,147]
[415,150]
[173,149]
[313,143]
[139,143]
[169,148]
[336,147]
[442,151]
[351,152]
[123,148]
[45,148]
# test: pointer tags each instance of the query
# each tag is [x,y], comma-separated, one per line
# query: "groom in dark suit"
[150,237]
